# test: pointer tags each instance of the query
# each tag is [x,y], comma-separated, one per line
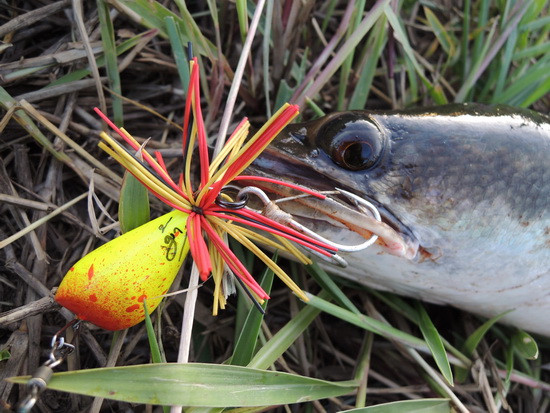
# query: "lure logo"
[170,246]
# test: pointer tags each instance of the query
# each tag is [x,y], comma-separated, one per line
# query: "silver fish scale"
[431,174]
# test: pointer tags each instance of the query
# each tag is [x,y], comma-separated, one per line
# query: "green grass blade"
[539,92]
[473,341]
[243,301]
[465,38]
[242,16]
[492,46]
[156,355]
[22,73]
[284,338]
[73,76]
[133,209]
[373,51]
[246,343]
[525,345]
[345,70]
[504,65]
[401,306]
[482,18]
[536,24]
[366,25]
[191,29]
[148,14]
[285,92]
[410,69]
[475,338]
[205,385]
[516,92]
[329,13]
[409,406]
[366,322]
[509,355]
[316,108]
[328,284]
[532,52]
[475,70]
[433,339]
[441,33]
[152,14]
[401,36]
[178,49]
[397,303]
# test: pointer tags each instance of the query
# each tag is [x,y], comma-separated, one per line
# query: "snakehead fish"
[464,195]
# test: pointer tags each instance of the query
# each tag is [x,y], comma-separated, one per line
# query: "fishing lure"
[110,286]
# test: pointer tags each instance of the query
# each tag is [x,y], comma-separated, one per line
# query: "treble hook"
[274,212]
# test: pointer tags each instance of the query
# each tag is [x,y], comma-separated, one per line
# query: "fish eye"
[353,144]
[355,155]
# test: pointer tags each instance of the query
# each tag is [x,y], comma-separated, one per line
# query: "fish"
[463,191]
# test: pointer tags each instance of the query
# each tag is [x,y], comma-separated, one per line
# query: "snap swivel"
[59,351]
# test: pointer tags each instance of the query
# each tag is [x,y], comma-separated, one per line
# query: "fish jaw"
[344,219]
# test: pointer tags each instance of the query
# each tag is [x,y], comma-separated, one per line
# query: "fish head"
[462,191]
[439,177]
[357,153]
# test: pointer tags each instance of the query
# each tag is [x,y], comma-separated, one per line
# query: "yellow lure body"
[107,287]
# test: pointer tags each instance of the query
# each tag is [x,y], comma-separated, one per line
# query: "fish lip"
[394,237]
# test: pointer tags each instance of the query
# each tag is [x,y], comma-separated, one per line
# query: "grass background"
[59,59]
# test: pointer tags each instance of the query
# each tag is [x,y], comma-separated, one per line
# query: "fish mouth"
[337,217]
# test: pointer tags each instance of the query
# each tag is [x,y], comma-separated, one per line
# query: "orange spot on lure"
[108,286]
